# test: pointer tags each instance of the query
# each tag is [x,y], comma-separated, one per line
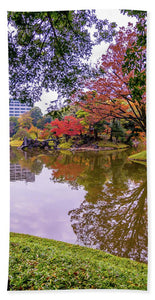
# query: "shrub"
[66,145]
[21,133]
[51,143]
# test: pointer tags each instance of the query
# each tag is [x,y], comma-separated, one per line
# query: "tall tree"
[135,57]
[49,50]
[36,115]
[110,95]
[42,121]
[25,121]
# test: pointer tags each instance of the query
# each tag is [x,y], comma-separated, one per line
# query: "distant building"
[16,108]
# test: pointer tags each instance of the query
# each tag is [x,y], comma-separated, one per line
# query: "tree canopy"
[36,115]
[135,57]
[50,50]
[117,92]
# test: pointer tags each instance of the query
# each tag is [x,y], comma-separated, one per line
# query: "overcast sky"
[112,15]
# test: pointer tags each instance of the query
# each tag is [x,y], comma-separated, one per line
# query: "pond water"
[95,199]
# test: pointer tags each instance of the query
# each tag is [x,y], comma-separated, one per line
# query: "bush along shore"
[42,264]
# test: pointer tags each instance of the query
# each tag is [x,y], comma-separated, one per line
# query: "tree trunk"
[95,134]
[111,135]
[67,137]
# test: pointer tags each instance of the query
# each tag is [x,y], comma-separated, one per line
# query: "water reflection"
[18,173]
[118,224]
[112,214]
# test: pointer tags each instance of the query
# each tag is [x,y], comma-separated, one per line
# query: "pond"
[94,199]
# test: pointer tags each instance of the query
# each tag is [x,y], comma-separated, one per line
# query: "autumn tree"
[50,50]
[46,132]
[34,132]
[91,123]
[68,127]
[135,59]
[110,95]
[25,121]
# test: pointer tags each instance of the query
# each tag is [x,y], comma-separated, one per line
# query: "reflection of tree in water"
[100,169]
[26,160]
[79,169]
[113,216]
[67,172]
[116,224]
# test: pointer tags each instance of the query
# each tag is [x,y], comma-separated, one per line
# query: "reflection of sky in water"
[93,199]
[41,208]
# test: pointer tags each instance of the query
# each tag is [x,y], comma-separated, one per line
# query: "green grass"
[141,156]
[112,145]
[43,264]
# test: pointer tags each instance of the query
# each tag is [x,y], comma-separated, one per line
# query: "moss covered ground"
[42,264]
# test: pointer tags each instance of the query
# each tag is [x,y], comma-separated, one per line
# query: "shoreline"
[17,144]
[98,149]
[140,157]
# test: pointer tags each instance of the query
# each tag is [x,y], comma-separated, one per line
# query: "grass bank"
[43,264]
[139,157]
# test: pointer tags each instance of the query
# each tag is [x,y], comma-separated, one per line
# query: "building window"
[17,108]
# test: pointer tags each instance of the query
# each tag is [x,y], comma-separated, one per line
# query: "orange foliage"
[109,95]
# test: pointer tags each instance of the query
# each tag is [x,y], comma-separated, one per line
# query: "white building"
[16,108]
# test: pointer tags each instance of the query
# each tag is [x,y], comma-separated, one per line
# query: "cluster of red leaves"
[69,126]
[44,134]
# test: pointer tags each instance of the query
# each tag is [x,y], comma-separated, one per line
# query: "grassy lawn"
[43,264]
